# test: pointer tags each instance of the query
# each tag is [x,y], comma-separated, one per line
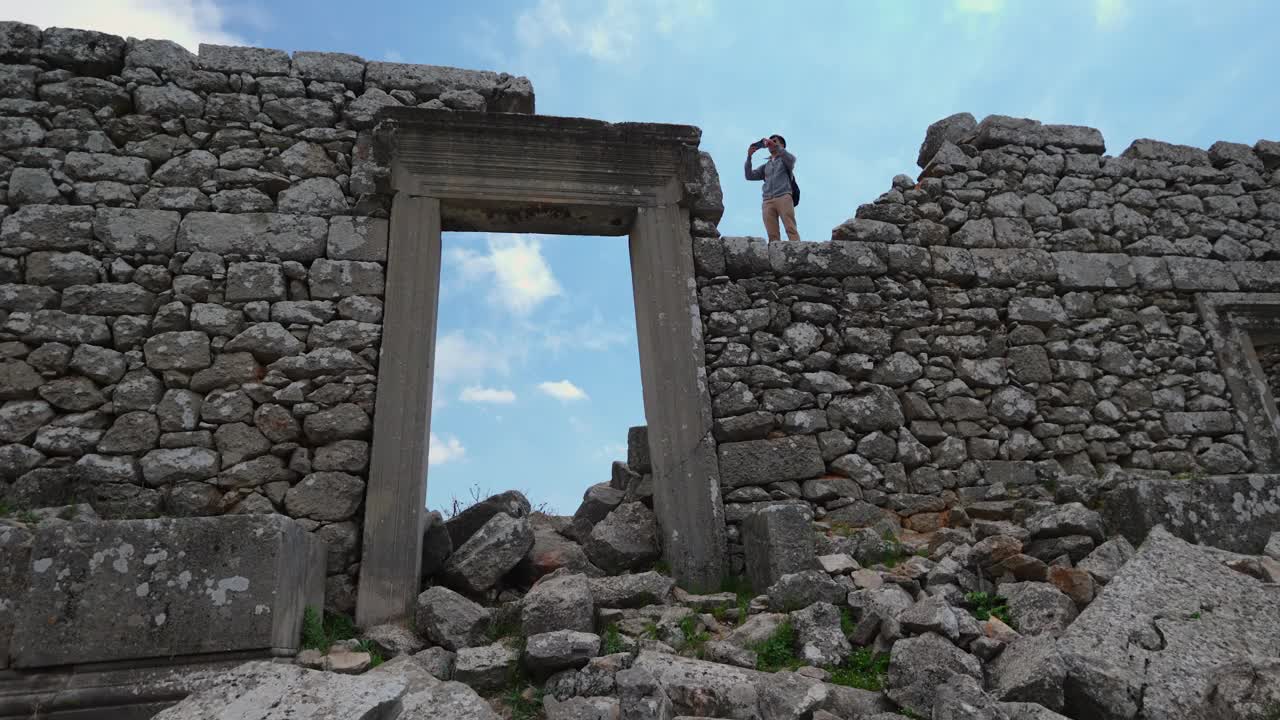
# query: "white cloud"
[186,22]
[445,449]
[1110,14]
[476,394]
[521,275]
[607,31]
[460,357]
[563,390]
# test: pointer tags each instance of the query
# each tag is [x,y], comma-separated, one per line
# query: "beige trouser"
[780,207]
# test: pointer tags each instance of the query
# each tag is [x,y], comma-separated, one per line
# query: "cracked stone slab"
[1149,645]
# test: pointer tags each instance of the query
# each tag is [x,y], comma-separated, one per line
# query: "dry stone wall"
[192,258]
[1021,317]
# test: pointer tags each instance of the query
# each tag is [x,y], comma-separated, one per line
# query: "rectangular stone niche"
[139,589]
[1245,331]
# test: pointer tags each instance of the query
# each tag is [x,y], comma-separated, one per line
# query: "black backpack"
[795,188]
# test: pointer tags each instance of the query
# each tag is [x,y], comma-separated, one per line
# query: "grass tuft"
[987,605]
[524,700]
[740,586]
[320,631]
[778,652]
[694,641]
[863,669]
[509,627]
[612,641]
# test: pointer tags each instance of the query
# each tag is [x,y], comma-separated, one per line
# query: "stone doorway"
[1244,329]
[536,174]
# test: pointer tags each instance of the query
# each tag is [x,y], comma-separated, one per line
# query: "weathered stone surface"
[759,462]
[549,652]
[257,688]
[48,227]
[288,237]
[919,665]
[325,496]
[1030,670]
[1141,646]
[631,591]
[1233,513]
[451,620]
[819,636]
[346,421]
[448,701]
[489,554]
[1038,607]
[486,668]
[627,539]
[465,524]
[778,540]
[187,578]
[559,603]
[795,591]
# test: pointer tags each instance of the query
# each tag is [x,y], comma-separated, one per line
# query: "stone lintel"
[500,172]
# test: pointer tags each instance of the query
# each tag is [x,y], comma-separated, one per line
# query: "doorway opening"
[537,373]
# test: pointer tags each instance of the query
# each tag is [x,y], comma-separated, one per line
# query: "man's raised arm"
[753,174]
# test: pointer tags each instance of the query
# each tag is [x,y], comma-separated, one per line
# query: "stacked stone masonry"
[192,257]
[1022,314]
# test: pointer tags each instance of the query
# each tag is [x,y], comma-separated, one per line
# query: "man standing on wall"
[779,186]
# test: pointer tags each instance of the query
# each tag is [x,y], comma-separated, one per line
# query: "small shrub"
[778,652]
[847,623]
[651,631]
[612,641]
[28,517]
[5,510]
[662,567]
[987,605]
[863,669]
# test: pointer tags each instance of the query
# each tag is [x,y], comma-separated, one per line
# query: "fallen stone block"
[1154,638]
[255,689]
[166,587]
[919,665]
[778,540]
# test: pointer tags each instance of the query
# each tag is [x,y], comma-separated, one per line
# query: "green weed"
[320,631]
[5,510]
[863,669]
[847,623]
[28,517]
[778,652]
[694,640]
[612,641]
[662,567]
[375,655]
[987,605]
[524,700]
[505,628]
[740,586]
[651,631]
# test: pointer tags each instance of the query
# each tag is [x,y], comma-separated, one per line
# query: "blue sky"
[538,373]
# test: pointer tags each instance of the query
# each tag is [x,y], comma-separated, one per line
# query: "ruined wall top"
[101,55]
